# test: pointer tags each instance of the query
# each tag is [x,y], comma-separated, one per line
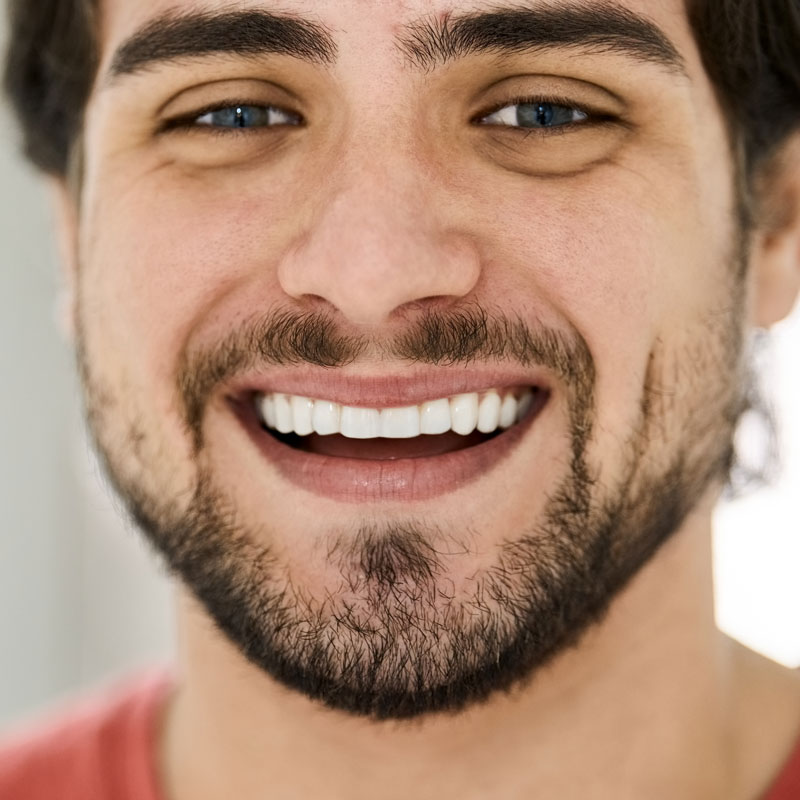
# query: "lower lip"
[354,480]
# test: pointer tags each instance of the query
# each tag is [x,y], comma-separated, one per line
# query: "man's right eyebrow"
[174,36]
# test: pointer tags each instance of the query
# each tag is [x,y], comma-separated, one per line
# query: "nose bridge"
[378,218]
[380,198]
[376,241]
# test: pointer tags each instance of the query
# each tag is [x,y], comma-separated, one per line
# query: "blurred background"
[82,600]
[80,597]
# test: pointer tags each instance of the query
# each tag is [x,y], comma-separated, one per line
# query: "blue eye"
[532,115]
[243,116]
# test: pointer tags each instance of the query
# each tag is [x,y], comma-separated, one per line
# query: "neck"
[640,708]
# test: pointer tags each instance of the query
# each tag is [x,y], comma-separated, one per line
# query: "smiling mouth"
[429,429]
[359,454]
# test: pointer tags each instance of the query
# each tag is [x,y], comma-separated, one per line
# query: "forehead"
[369,29]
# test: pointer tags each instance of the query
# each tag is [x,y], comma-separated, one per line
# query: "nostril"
[369,262]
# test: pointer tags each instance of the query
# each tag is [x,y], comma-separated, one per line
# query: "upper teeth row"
[462,414]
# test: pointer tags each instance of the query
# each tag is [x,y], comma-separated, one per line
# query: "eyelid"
[594,115]
[188,121]
[228,87]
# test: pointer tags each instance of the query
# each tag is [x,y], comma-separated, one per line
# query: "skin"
[566,231]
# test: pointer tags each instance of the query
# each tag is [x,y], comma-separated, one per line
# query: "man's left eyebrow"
[606,28]
[173,36]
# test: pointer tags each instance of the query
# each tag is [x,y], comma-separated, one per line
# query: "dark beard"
[396,641]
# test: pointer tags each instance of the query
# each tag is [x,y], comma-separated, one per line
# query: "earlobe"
[66,219]
[776,245]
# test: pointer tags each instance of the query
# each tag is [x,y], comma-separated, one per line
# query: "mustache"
[452,337]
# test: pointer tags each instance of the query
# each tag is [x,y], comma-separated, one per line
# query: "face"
[409,331]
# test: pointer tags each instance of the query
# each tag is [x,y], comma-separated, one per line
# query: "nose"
[375,245]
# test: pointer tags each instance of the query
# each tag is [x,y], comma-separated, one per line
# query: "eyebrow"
[607,28]
[173,36]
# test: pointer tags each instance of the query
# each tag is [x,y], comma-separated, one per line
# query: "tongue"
[387,449]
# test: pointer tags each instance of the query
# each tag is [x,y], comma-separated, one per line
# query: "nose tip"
[369,286]
[370,259]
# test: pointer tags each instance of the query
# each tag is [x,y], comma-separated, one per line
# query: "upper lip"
[388,390]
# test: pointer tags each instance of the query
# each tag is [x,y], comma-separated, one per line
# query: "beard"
[397,639]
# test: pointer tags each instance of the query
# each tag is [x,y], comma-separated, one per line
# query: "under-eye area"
[432,428]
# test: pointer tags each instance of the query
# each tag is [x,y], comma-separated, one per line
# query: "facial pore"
[396,639]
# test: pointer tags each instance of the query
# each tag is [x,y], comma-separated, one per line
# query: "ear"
[776,244]
[65,209]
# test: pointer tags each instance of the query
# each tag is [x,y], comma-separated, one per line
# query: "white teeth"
[302,409]
[283,413]
[400,423]
[508,412]
[360,423]
[325,417]
[489,412]
[268,411]
[462,414]
[435,416]
[525,402]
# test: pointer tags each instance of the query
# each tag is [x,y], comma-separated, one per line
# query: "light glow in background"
[757,538]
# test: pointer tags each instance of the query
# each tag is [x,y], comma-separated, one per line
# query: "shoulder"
[767,726]
[787,785]
[90,748]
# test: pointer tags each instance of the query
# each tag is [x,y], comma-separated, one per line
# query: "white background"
[80,598]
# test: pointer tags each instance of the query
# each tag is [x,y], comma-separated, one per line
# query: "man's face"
[388,205]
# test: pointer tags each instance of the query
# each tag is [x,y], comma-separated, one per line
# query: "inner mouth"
[430,429]
[383,449]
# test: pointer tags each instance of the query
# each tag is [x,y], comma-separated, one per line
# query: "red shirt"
[101,749]
[787,786]
[105,750]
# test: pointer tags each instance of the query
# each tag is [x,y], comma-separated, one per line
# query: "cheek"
[590,263]
[165,256]
[161,269]
[632,270]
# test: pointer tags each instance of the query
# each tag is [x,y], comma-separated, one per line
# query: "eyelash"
[188,122]
[593,117]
